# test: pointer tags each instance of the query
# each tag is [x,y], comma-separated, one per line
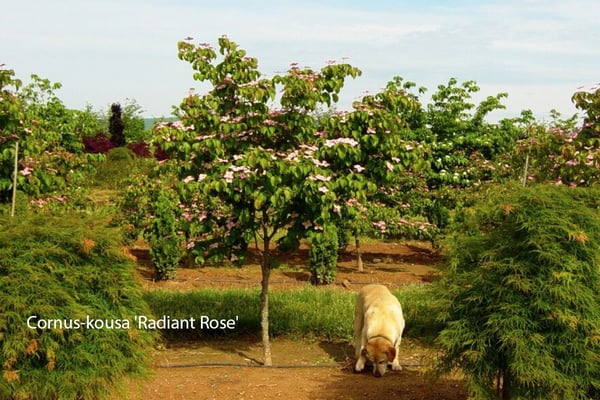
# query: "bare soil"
[303,368]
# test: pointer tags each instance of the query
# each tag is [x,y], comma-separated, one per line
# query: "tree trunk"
[506,384]
[264,303]
[359,262]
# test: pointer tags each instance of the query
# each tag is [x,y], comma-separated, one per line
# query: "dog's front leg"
[360,362]
[361,357]
[396,362]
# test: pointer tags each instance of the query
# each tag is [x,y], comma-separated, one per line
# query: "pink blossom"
[380,225]
[308,149]
[348,141]
[228,176]
[293,156]
[188,179]
[320,178]
[201,177]
[371,130]
[359,168]
[26,171]
[319,163]
[323,189]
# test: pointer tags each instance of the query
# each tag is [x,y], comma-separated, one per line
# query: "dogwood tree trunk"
[359,262]
[264,301]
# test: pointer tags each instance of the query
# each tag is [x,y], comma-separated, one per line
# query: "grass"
[306,312]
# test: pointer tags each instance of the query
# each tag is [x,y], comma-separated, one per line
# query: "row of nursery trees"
[256,161]
[252,161]
[58,146]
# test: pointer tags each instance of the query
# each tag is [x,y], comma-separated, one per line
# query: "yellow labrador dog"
[378,326]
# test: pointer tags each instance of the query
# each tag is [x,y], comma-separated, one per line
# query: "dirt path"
[304,369]
[393,264]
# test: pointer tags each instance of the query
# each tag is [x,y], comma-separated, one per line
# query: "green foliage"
[166,244]
[323,255]
[118,170]
[562,152]
[243,170]
[51,161]
[11,128]
[120,154]
[134,126]
[66,268]
[370,151]
[521,298]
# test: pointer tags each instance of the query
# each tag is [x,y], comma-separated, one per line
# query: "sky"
[102,51]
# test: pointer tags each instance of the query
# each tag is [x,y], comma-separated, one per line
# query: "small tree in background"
[116,127]
[323,255]
[523,309]
[11,127]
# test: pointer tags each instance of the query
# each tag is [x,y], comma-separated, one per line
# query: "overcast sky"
[103,51]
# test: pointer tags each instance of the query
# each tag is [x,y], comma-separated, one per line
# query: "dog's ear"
[391,353]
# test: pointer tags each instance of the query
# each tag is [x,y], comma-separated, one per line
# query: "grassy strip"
[309,311]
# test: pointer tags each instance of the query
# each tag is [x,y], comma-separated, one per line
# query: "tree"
[371,152]
[116,126]
[245,170]
[51,161]
[134,126]
[562,152]
[11,127]
[522,307]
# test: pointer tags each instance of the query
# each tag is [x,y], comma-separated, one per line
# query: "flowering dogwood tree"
[247,170]
[563,153]
[370,151]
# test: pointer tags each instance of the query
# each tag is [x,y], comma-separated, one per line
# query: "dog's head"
[379,352]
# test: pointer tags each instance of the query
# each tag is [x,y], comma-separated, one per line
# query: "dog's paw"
[396,366]
[360,365]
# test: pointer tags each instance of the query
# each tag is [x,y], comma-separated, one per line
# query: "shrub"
[523,307]
[66,269]
[120,154]
[324,255]
[99,143]
[167,246]
[140,149]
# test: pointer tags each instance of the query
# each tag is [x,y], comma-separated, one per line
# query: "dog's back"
[378,327]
